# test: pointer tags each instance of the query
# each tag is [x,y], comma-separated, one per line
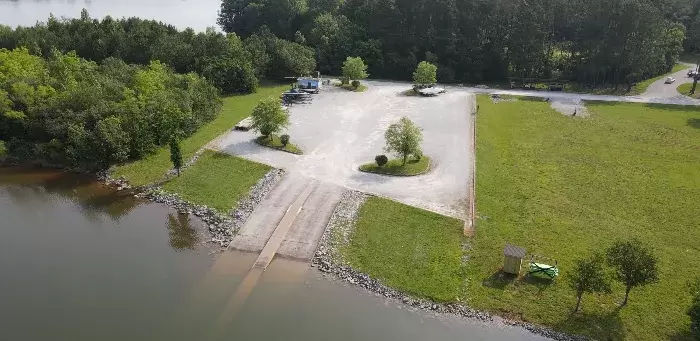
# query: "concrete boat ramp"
[290,221]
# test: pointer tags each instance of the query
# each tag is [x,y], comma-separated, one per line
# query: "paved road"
[661,90]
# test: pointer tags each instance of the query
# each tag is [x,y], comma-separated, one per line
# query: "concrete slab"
[303,237]
[262,222]
[273,243]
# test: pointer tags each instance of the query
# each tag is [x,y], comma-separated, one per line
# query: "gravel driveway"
[340,130]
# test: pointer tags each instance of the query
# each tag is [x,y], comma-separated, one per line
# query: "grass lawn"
[395,167]
[684,89]
[408,248]
[642,86]
[274,142]
[235,108]
[564,187]
[217,180]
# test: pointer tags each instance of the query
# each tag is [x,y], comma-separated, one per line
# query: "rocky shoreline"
[328,260]
[221,226]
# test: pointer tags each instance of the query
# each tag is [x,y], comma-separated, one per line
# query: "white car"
[670,80]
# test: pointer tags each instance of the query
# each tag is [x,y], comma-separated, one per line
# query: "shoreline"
[328,260]
[222,227]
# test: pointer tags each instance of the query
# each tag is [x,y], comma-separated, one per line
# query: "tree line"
[233,65]
[65,110]
[589,41]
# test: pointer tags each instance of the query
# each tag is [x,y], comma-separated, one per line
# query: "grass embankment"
[273,141]
[642,86]
[235,108]
[409,249]
[217,180]
[563,187]
[684,89]
[397,168]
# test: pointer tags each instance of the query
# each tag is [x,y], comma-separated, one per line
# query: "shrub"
[418,154]
[355,84]
[381,160]
[284,139]
[344,80]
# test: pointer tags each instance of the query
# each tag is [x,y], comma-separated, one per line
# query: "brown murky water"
[81,262]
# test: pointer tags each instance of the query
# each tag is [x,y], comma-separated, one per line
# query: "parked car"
[692,73]
[670,80]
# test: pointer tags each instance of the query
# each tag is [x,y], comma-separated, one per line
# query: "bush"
[381,160]
[355,84]
[284,139]
[344,80]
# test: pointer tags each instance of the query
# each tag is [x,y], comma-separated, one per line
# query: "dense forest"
[233,65]
[65,110]
[588,41]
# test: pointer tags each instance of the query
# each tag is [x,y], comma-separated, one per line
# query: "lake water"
[198,14]
[81,262]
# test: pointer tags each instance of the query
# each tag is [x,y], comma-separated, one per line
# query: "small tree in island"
[354,69]
[425,75]
[176,154]
[269,117]
[404,139]
[634,264]
[588,276]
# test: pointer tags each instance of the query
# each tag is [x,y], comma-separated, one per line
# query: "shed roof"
[514,251]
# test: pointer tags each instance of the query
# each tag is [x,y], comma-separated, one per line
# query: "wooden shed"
[513,259]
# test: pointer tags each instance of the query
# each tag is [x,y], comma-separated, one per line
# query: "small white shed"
[513,259]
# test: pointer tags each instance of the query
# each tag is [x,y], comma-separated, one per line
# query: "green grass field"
[217,180]
[235,108]
[642,86]
[396,167]
[564,187]
[684,89]
[409,249]
[275,143]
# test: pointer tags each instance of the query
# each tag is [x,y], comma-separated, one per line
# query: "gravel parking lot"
[340,130]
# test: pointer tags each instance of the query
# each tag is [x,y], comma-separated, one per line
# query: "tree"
[634,264]
[269,117]
[354,68]
[588,276]
[404,138]
[425,74]
[694,310]
[176,154]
